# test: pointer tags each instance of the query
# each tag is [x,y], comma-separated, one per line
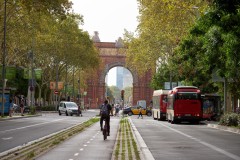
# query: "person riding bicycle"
[105,111]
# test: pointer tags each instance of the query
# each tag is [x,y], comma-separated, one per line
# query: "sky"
[112,77]
[109,18]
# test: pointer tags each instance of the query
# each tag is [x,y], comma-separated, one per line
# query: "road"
[165,141]
[17,132]
[187,141]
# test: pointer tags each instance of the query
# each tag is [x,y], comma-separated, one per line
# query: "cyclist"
[105,115]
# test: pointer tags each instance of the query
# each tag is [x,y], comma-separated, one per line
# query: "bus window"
[187,95]
[165,99]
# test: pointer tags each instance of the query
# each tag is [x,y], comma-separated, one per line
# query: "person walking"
[140,112]
[22,103]
[11,108]
[79,110]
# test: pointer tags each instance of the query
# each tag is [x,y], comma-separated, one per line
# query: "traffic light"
[122,94]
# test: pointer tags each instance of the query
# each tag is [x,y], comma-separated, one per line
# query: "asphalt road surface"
[165,141]
[187,141]
[88,145]
[17,132]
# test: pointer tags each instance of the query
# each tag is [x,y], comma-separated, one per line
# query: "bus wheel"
[149,114]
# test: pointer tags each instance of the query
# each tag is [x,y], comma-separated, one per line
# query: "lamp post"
[4,55]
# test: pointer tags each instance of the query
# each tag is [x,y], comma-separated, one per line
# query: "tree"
[213,45]
[162,25]
[128,92]
[115,92]
[52,33]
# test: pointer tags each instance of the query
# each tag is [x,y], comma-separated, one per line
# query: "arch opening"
[117,80]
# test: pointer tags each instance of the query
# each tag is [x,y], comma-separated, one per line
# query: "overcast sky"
[108,17]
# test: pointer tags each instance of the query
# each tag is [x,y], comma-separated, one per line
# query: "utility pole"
[79,88]
[56,86]
[4,56]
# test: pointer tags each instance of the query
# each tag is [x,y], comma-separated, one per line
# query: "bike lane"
[86,145]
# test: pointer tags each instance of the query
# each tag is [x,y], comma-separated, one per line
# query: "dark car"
[18,110]
[127,111]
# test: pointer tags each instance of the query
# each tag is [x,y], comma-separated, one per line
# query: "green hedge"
[230,119]
[48,108]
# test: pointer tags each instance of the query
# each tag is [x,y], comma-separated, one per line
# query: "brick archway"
[112,56]
[116,64]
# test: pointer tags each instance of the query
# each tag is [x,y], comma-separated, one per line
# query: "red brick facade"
[111,57]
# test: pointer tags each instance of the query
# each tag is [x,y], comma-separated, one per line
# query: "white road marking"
[7,138]
[85,145]
[228,154]
[76,154]
[88,142]
[81,149]
[30,126]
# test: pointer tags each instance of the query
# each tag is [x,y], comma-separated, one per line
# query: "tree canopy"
[162,24]
[212,46]
[51,31]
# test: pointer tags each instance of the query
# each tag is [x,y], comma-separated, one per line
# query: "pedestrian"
[22,106]
[79,110]
[11,108]
[140,112]
[117,110]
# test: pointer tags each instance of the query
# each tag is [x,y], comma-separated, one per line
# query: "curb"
[18,117]
[146,154]
[225,128]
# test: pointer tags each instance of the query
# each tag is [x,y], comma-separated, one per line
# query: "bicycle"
[105,130]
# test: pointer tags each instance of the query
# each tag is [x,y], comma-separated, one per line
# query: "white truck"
[142,103]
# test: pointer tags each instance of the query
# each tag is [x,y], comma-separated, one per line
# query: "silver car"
[68,108]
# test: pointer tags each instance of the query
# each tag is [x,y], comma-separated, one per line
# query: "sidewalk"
[214,124]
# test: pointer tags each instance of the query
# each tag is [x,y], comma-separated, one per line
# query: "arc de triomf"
[113,54]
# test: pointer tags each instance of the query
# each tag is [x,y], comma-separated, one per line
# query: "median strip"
[125,146]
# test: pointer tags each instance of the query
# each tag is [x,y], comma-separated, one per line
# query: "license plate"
[187,114]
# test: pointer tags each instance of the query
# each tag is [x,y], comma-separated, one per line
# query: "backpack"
[104,110]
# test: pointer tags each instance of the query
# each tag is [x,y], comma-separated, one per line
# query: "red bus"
[211,104]
[159,107]
[184,104]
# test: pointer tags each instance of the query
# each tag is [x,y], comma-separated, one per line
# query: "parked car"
[18,110]
[67,108]
[135,111]
[127,111]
